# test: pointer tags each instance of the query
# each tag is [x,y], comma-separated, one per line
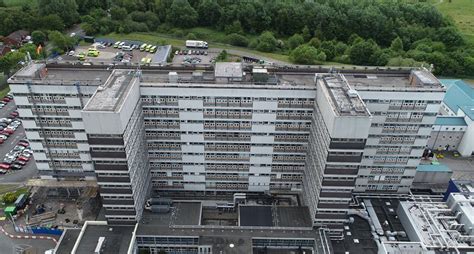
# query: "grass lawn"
[461,11]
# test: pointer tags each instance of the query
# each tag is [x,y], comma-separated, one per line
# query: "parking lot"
[28,169]
[110,54]
[194,56]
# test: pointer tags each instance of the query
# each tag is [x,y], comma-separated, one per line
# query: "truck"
[196,44]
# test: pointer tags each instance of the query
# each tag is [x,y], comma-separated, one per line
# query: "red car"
[4,132]
[24,144]
[22,158]
[9,131]
[14,114]
[6,99]
[2,140]
[4,166]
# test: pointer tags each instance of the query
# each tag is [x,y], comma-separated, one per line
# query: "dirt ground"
[79,205]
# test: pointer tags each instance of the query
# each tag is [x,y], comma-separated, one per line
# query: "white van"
[121,45]
[126,48]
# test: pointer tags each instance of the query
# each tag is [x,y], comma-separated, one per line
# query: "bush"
[295,40]
[10,197]
[237,40]
[267,42]
[305,54]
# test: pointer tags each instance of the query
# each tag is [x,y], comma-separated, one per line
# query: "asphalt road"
[9,245]
[29,170]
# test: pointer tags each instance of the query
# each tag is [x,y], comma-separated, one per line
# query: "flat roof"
[274,216]
[67,241]
[433,168]
[111,95]
[388,81]
[255,216]
[117,239]
[450,120]
[345,100]
[228,70]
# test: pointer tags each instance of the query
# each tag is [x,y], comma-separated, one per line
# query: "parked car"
[4,166]
[8,131]
[6,99]
[14,113]
[71,53]
[8,160]
[23,144]
[20,162]
[9,96]
[16,167]
[6,120]
[23,158]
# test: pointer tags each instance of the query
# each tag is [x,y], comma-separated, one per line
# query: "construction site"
[59,205]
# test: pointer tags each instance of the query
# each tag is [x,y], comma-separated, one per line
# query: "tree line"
[363,32]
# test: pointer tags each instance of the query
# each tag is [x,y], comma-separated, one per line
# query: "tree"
[181,14]
[397,45]
[60,41]
[295,40]
[235,27]
[306,34]
[209,12]
[118,13]
[361,52]
[315,42]
[222,56]
[66,9]
[30,48]
[237,40]
[328,47]
[38,37]
[304,54]
[50,22]
[449,36]
[267,42]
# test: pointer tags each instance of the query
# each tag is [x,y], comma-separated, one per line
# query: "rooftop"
[420,80]
[274,216]
[433,168]
[346,101]
[117,239]
[459,95]
[450,120]
[110,95]
[67,241]
[228,70]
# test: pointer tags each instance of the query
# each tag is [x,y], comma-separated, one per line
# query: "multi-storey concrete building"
[403,109]
[113,121]
[233,129]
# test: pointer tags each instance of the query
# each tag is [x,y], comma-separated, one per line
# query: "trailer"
[159,201]
[21,201]
[196,44]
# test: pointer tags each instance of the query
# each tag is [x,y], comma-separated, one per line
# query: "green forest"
[360,32]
